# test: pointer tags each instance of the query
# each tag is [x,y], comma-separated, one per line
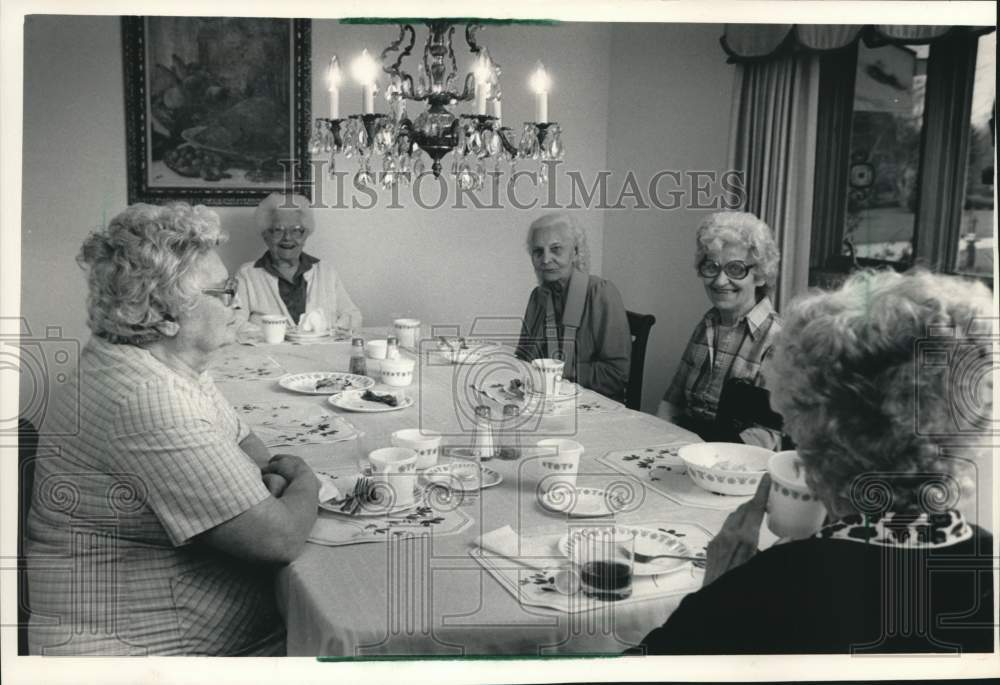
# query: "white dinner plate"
[303,336]
[306,382]
[647,541]
[372,509]
[582,502]
[462,475]
[350,400]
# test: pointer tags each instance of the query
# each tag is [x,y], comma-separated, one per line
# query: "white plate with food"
[363,501]
[648,543]
[324,382]
[371,401]
[460,350]
[565,390]
[466,476]
[583,502]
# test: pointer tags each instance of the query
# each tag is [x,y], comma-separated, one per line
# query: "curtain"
[950,79]
[773,143]
[756,42]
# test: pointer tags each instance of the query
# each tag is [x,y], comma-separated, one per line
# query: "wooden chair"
[27,446]
[639,326]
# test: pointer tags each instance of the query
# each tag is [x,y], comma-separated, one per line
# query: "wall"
[444,265]
[677,76]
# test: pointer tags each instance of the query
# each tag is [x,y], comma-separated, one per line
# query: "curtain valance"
[755,42]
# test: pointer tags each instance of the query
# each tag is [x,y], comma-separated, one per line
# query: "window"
[977,246]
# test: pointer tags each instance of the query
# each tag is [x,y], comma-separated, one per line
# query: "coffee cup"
[274,326]
[407,331]
[394,471]
[560,462]
[552,373]
[426,443]
[375,349]
[793,510]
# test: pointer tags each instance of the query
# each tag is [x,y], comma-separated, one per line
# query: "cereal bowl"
[397,372]
[725,468]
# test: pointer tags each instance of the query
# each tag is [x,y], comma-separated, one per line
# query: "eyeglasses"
[280,231]
[227,294]
[736,269]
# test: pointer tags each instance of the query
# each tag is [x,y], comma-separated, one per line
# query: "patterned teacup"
[560,462]
[394,470]
[426,443]
[793,511]
[274,326]
[552,373]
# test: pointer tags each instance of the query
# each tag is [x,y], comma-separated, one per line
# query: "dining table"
[413,589]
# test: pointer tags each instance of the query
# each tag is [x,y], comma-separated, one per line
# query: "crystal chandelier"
[396,146]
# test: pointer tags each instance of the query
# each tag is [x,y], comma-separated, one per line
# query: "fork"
[646,558]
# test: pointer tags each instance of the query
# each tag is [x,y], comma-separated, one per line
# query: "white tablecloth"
[427,595]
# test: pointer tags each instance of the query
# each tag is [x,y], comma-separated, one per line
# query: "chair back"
[638,326]
[27,447]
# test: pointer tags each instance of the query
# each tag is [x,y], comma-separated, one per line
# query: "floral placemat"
[541,587]
[285,423]
[439,512]
[236,364]
[659,468]
[590,402]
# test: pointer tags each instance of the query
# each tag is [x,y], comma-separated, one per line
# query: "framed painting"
[216,108]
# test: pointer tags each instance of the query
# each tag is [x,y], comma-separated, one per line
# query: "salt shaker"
[392,347]
[510,438]
[483,445]
[359,366]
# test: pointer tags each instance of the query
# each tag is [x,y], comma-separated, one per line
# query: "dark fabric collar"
[266,263]
[910,531]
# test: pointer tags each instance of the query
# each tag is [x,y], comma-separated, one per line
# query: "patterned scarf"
[890,529]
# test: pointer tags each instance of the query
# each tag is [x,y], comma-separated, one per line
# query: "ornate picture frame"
[217,109]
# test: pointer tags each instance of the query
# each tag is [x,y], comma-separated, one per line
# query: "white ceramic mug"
[552,373]
[395,469]
[274,326]
[793,511]
[560,462]
[426,443]
[407,332]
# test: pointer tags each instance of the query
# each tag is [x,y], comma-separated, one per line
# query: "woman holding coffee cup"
[574,317]
[874,381]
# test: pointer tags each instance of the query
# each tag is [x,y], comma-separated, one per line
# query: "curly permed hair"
[858,396]
[574,230]
[138,268]
[746,230]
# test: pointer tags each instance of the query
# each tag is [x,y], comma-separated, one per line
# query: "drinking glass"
[606,556]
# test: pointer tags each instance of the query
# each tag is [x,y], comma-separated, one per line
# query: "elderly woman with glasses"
[737,260]
[158,519]
[286,280]
[886,385]
[571,315]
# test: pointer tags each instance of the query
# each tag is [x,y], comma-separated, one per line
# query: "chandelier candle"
[333,86]
[540,83]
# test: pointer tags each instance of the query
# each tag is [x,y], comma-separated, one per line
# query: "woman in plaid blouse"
[737,260]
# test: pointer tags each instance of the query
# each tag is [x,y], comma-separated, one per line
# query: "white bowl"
[397,372]
[726,468]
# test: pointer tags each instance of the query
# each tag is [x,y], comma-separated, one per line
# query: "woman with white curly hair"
[572,315]
[288,281]
[182,513]
[886,386]
[737,260]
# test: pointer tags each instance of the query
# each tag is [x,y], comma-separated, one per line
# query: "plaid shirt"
[157,461]
[707,363]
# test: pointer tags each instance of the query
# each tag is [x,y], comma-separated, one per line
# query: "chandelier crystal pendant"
[390,148]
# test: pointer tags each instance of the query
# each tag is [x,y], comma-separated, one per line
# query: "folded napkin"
[336,488]
[536,552]
[313,321]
